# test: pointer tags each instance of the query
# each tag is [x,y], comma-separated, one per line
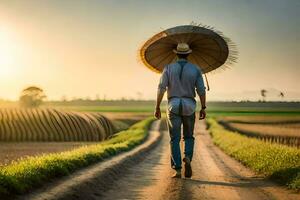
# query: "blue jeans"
[174,122]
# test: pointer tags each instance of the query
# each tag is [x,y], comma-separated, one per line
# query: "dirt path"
[216,176]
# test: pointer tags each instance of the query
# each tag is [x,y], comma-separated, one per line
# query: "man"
[181,79]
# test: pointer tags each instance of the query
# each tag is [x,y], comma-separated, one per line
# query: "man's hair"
[184,56]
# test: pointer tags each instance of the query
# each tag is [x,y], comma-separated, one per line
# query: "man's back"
[184,85]
[180,79]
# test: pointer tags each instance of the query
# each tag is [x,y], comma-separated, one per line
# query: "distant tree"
[281,94]
[32,97]
[263,94]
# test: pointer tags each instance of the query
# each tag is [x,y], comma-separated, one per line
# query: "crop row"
[287,134]
[31,172]
[262,119]
[52,125]
[279,162]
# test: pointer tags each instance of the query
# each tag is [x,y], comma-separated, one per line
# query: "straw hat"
[182,48]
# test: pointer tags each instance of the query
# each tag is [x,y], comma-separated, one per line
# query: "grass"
[213,108]
[211,111]
[276,128]
[218,113]
[282,130]
[278,162]
[262,119]
[31,172]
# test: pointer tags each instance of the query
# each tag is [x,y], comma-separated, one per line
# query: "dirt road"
[215,176]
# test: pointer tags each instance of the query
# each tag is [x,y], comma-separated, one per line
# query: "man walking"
[180,80]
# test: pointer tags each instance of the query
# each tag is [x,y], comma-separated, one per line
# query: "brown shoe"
[187,167]
[177,174]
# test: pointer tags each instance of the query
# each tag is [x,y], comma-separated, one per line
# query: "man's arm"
[162,87]
[203,101]
[160,95]
[200,88]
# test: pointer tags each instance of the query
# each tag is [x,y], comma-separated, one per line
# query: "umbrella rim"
[231,56]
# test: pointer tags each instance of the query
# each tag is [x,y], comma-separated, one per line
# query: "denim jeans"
[174,126]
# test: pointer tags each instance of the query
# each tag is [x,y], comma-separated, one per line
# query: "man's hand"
[157,113]
[202,114]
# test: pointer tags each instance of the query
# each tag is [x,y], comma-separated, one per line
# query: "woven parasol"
[210,48]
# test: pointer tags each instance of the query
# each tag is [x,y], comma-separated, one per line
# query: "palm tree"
[281,94]
[263,94]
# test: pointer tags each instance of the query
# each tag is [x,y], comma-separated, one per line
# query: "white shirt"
[182,89]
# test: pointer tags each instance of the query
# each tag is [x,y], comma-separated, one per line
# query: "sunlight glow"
[7,53]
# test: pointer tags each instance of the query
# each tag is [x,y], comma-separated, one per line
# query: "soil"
[148,176]
[13,151]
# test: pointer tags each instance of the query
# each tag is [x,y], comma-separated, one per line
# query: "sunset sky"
[84,48]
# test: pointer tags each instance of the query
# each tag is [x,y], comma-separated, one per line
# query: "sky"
[90,48]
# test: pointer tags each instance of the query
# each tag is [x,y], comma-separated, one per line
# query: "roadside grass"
[31,172]
[120,125]
[275,161]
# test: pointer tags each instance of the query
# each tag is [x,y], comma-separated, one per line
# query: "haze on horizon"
[84,48]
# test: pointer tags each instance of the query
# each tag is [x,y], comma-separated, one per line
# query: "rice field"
[53,125]
[213,108]
[276,161]
[21,176]
[128,118]
[288,130]
[277,129]
[262,119]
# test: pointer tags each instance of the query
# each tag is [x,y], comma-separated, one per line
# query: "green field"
[278,162]
[213,108]
[29,173]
